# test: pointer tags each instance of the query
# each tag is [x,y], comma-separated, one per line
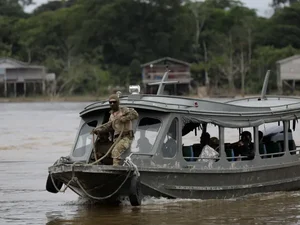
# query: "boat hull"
[100,182]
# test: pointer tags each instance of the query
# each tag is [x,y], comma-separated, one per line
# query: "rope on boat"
[127,161]
[109,150]
[66,185]
[131,165]
[105,197]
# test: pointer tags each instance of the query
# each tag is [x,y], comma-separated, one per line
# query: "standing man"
[120,118]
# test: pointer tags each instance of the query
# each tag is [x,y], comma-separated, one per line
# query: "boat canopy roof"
[236,113]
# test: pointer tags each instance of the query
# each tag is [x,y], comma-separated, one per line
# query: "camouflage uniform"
[117,120]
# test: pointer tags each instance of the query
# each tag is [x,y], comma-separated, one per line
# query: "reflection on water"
[278,208]
[34,135]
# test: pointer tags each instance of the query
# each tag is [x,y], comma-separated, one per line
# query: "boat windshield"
[145,135]
[84,141]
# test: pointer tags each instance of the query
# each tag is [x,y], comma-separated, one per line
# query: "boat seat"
[273,147]
[187,151]
[263,151]
[197,149]
[292,146]
[230,153]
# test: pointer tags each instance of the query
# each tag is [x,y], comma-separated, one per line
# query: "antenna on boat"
[163,82]
[265,86]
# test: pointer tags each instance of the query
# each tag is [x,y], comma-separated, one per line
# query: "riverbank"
[90,98]
[87,98]
[72,98]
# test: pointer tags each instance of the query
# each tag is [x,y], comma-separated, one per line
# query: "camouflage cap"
[115,97]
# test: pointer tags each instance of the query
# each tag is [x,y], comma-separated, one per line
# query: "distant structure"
[288,69]
[179,71]
[21,79]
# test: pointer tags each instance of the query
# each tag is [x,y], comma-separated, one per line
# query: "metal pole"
[286,135]
[221,142]
[256,141]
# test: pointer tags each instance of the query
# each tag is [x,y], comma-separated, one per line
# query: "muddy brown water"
[34,135]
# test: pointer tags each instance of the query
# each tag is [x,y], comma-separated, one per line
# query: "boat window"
[145,135]
[84,141]
[272,140]
[195,137]
[239,144]
[170,145]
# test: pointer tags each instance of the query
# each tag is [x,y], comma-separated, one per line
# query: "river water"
[34,135]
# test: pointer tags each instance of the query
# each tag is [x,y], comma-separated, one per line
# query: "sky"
[262,6]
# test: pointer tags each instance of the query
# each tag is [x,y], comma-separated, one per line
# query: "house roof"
[13,63]
[167,59]
[282,61]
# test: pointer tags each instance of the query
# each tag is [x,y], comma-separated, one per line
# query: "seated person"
[204,140]
[207,153]
[214,143]
[262,147]
[144,145]
[244,147]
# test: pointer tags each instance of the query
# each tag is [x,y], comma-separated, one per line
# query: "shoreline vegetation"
[83,98]
[92,46]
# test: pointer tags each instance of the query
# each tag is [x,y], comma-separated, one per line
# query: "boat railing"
[286,106]
[194,106]
[133,100]
[296,151]
[237,158]
[163,104]
[272,154]
[140,153]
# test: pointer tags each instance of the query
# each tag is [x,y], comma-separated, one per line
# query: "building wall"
[7,65]
[290,70]
[156,72]
[27,74]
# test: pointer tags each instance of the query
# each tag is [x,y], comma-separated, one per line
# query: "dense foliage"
[94,44]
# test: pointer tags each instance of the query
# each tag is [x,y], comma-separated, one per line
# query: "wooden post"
[43,86]
[34,88]
[279,79]
[294,85]
[15,88]
[5,85]
[24,88]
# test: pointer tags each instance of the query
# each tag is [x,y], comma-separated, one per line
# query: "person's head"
[205,138]
[114,102]
[246,136]
[214,142]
